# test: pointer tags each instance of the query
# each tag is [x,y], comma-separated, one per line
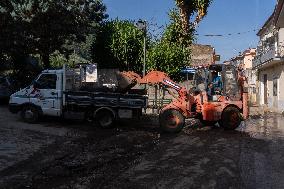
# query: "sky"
[224,17]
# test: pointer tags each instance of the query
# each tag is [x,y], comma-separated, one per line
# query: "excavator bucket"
[127,80]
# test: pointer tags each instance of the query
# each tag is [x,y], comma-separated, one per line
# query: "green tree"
[42,27]
[119,44]
[170,54]
[13,42]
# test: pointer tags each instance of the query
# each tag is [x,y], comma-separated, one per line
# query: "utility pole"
[144,58]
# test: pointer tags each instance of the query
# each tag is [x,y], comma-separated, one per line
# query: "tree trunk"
[184,15]
[45,60]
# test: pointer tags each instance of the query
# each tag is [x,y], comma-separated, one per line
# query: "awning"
[188,70]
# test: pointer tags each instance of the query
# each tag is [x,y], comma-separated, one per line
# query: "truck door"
[47,94]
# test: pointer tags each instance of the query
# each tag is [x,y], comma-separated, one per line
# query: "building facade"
[244,61]
[269,61]
[201,55]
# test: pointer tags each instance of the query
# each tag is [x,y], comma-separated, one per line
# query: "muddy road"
[73,154]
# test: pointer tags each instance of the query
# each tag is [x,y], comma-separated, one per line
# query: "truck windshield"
[46,81]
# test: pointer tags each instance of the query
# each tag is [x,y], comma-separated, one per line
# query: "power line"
[228,34]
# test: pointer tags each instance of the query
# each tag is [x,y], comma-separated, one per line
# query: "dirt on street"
[63,154]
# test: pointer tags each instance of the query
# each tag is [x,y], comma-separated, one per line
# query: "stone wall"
[201,54]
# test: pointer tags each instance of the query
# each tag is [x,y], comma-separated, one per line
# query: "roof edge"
[265,24]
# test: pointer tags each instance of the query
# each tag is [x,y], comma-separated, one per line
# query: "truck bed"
[82,99]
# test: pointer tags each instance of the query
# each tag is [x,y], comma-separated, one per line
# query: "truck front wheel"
[104,118]
[30,114]
[171,121]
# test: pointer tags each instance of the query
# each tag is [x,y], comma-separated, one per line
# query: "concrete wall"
[281,42]
[248,60]
[251,76]
[281,87]
[201,54]
[275,72]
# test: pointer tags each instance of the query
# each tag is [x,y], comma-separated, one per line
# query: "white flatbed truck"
[54,93]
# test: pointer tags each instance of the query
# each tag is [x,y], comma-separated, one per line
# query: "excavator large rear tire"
[171,121]
[231,118]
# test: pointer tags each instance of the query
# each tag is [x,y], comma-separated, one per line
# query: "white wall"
[281,41]
[272,72]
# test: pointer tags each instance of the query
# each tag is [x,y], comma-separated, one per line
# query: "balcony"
[266,58]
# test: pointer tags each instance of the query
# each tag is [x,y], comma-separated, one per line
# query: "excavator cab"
[200,79]
[218,80]
[209,80]
[215,84]
[232,89]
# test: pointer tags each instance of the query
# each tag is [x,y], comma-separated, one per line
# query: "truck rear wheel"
[105,118]
[30,114]
[171,121]
[231,118]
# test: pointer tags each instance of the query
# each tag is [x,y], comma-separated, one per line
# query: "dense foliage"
[57,32]
[171,53]
[119,44]
[42,27]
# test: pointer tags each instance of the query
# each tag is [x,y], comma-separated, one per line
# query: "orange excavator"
[228,106]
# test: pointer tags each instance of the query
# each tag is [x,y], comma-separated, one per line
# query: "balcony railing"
[266,56]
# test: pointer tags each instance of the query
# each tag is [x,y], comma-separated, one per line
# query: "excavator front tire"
[171,121]
[231,118]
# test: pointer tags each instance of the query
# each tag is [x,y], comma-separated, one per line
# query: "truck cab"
[44,94]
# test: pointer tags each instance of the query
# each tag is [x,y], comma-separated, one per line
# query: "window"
[254,90]
[46,81]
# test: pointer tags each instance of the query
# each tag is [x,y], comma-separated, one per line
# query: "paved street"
[73,154]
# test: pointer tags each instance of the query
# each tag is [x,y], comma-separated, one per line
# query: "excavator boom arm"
[156,77]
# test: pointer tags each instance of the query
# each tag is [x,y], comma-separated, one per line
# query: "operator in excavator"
[217,82]
[214,86]
[210,91]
